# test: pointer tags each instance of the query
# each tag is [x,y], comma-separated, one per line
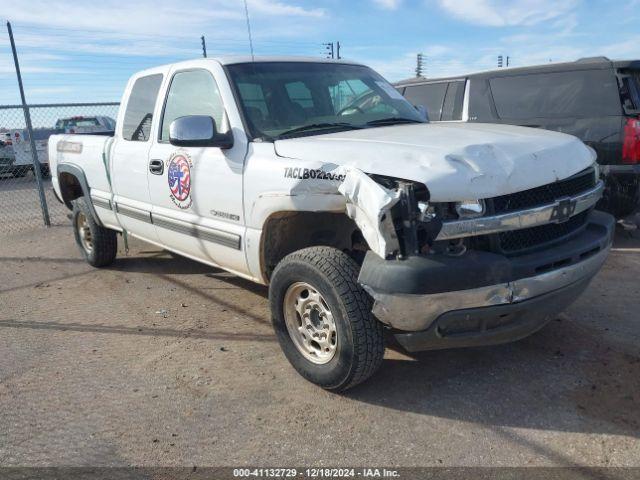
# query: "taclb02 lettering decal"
[311,173]
[179,178]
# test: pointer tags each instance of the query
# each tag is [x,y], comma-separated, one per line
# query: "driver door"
[196,192]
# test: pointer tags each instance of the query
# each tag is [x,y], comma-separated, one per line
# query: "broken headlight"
[470,209]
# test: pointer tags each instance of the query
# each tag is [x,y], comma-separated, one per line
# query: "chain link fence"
[20,205]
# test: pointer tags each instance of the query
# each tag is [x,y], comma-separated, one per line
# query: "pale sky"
[74,51]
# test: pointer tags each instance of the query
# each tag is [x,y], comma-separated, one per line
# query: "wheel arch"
[73,185]
[285,232]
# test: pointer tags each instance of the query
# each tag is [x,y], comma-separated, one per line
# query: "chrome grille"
[545,194]
[522,241]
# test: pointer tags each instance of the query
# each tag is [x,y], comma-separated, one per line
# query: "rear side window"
[299,93]
[77,122]
[139,114]
[452,107]
[584,93]
[87,122]
[430,96]
[630,90]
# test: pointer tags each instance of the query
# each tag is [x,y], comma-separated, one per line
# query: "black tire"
[360,339]
[103,241]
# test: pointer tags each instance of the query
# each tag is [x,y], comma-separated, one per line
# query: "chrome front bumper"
[418,312]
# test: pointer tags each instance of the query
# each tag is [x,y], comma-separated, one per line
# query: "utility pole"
[27,119]
[508,60]
[420,65]
[329,49]
[499,61]
[338,50]
[204,46]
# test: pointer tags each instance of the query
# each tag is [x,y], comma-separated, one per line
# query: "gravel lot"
[162,361]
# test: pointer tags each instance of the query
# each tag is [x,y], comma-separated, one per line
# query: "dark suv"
[595,99]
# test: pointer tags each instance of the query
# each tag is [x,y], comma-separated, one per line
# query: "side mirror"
[198,131]
[422,110]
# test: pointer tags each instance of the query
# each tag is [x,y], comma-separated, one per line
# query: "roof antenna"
[246,12]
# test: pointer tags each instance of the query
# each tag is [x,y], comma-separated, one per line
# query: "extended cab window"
[580,93]
[192,92]
[139,114]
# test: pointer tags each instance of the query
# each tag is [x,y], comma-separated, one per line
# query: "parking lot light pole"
[27,118]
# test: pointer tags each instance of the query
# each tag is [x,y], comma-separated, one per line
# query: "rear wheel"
[98,245]
[323,319]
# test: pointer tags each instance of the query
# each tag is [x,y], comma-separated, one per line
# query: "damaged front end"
[475,272]
[394,215]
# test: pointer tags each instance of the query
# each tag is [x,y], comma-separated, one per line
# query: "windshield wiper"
[393,121]
[318,126]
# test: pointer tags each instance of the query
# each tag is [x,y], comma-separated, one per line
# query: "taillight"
[631,142]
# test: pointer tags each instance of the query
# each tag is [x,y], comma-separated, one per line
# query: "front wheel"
[99,245]
[322,318]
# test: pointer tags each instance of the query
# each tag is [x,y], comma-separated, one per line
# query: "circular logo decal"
[179,178]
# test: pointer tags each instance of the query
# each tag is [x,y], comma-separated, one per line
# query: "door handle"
[156,167]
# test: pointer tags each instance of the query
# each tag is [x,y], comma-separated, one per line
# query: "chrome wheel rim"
[310,323]
[84,232]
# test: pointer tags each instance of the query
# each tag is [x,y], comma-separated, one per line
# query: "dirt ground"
[162,361]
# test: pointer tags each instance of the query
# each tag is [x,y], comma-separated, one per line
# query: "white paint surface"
[456,161]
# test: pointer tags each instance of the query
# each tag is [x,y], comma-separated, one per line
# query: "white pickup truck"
[318,179]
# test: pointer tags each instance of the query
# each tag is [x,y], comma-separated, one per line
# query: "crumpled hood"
[456,161]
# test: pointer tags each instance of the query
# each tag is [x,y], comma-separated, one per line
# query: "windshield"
[291,99]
